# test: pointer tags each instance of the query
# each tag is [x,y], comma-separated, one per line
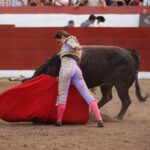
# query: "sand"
[132,133]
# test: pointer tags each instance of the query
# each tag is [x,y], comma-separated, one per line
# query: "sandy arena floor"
[132,133]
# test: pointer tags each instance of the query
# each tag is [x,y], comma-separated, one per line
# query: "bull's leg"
[125,100]
[106,94]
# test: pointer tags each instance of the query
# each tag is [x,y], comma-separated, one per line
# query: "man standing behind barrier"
[89,22]
[100,21]
[70,55]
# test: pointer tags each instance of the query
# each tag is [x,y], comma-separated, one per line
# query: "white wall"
[60,20]
[29,73]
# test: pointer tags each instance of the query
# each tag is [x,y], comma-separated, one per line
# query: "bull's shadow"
[104,66]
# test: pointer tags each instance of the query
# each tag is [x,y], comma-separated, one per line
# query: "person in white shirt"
[61,2]
[19,2]
[97,3]
[64,2]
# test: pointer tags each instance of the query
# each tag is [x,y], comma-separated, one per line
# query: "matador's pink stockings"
[96,111]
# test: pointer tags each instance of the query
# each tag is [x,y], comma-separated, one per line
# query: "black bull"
[104,66]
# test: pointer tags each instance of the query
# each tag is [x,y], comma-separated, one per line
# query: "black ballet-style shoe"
[58,124]
[100,124]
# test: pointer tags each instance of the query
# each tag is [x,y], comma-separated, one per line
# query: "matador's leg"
[83,90]
[65,76]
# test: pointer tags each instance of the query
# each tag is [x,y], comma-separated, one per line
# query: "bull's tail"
[138,91]
[136,57]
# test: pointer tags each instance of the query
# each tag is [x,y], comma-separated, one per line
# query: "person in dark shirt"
[89,22]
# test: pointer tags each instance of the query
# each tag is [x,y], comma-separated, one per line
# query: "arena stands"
[75,3]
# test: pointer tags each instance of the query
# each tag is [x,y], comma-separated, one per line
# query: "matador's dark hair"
[61,33]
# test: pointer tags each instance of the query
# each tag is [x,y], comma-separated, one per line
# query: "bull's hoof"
[100,124]
[118,118]
[115,119]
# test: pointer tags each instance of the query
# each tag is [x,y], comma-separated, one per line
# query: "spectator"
[100,21]
[19,2]
[73,2]
[70,23]
[96,3]
[47,2]
[5,3]
[61,2]
[134,2]
[80,3]
[109,2]
[89,22]
[119,2]
[146,2]
[35,2]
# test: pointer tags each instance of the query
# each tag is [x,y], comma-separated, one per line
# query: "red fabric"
[35,100]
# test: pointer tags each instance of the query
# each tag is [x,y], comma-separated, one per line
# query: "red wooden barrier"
[27,48]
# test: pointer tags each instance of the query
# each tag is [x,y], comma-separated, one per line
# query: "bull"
[107,67]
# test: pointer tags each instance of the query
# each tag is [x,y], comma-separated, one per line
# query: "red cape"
[35,100]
